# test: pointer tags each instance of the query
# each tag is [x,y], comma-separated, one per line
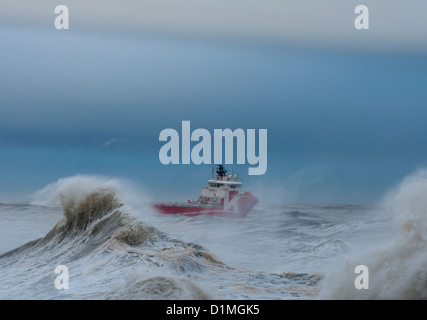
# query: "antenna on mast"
[221,171]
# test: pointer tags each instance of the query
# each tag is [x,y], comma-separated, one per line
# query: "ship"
[223,196]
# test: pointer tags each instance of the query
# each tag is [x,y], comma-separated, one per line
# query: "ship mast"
[220,171]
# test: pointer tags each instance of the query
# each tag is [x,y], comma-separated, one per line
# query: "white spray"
[398,269]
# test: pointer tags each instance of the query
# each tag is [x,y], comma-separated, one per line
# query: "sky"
[394,24]
[345,109]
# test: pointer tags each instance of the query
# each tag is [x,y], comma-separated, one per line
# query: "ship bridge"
[229,182]
[220,185]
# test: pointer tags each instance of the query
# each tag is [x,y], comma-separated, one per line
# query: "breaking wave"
[397,269]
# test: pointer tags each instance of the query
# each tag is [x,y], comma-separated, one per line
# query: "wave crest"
[80,214]
[397,270]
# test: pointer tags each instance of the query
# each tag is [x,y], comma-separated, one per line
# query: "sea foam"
[398,268]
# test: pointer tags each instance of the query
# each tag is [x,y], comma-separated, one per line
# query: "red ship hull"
[239,206]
